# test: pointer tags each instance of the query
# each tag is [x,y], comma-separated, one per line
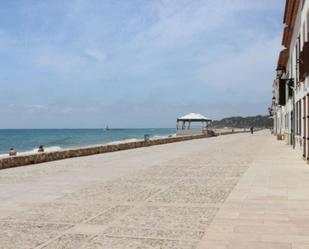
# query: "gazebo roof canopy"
[194,117]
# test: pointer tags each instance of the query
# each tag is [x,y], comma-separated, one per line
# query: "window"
[304,33]
[308,25]
[296,119]
[299,118]
[304,129]
[297,60]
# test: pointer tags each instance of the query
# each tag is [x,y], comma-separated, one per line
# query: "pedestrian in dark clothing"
[251,129]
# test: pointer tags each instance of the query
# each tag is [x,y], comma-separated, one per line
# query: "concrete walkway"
[269,208]
[237,191]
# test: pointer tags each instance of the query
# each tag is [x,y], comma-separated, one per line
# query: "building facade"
[290,106]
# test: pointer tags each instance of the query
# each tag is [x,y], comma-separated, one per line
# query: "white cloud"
[247,67]
[58,61]
[36,106]
[98,53]
[95,55]
[177,21]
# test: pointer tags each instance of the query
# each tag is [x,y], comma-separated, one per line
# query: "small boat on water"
[112,129]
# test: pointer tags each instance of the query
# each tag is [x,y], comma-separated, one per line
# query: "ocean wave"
[57,148]
[130,140]
[50,149]
[34,151]
[165,136]
[158,137]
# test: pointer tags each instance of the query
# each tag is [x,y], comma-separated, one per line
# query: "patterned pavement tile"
[61,212]
[197,191]
[118,190]
[218,170]
[158,217]
[68,241]
[171,234]
[102,242]
[110,215]
[150,180]
[21,235]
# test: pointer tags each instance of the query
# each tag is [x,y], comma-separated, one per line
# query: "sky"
[137,63]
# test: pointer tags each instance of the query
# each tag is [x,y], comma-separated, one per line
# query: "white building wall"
[282,117]
[301,90]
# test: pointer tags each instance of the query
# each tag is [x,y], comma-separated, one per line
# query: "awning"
[194,117]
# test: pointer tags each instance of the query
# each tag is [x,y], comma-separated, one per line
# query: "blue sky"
[137,63]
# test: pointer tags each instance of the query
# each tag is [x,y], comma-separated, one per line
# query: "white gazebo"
[192,124]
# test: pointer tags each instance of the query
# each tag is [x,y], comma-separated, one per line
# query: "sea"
[26,141]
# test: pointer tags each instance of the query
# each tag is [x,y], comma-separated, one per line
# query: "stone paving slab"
[156,233]
[111,215]
[68,241]
[156,217]
[197,191]
[61,212]
[135,243]
[269,206]
[27,234]
[209,193]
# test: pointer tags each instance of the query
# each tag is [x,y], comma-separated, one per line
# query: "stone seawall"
[15,161]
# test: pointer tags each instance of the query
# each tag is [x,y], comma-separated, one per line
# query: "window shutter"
[301,66]
[282,92]
[306,58]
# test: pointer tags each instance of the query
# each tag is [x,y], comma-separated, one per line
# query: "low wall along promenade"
[15,161]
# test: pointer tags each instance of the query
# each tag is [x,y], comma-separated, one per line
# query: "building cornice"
[290,14]
[283,59]
[287,37]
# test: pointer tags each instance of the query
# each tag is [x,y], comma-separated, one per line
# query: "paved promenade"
[231,192]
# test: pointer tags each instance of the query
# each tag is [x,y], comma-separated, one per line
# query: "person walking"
[251,129]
